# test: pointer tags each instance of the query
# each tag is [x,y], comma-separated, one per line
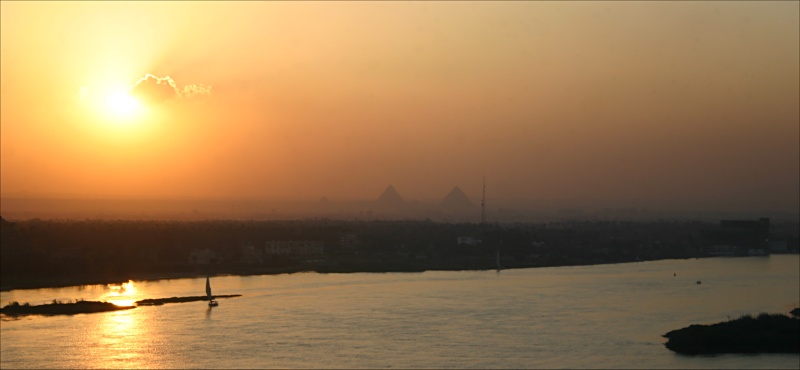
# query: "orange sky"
[648,104]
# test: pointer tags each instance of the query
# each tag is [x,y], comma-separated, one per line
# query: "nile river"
[605,316]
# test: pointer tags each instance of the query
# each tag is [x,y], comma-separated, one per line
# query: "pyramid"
[390,197]
[457,201]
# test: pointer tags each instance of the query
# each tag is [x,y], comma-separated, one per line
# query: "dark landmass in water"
[72,308]
[767,333]
[160,301]
[59,308]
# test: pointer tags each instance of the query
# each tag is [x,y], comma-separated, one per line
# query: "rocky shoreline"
[765,333]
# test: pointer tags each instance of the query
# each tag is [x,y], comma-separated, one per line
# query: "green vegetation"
[767,333]
[61,308]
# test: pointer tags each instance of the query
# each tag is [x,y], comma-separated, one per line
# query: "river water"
[603,316]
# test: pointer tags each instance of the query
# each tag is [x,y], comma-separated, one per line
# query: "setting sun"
[499,184]
[114,104]
[122,104]
[299,100]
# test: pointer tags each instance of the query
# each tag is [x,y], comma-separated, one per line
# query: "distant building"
[536,244]
[349,243]
[722,250]
[251,254]
[293,247]
[202,257]
[468,240]
[739,237]
[778,246]
[757,230]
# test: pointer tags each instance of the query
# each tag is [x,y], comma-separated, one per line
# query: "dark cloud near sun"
[158,89]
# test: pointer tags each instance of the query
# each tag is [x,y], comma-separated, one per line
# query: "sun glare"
[122,294]
[122,104]
[111,110]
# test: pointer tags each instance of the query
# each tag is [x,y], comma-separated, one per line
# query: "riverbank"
[41,254]
[8,283]
[13,283]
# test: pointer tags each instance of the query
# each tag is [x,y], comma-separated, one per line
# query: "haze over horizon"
[682,105]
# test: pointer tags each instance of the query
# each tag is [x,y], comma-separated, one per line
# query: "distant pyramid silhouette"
[390,197]
[456,201]
[324,203]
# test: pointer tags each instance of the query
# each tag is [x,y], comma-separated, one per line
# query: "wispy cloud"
[190,91]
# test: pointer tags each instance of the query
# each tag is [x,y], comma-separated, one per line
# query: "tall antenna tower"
[483,202]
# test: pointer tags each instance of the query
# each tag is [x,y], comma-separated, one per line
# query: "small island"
[60,308]
[160,301]
[81,306]
[766,333]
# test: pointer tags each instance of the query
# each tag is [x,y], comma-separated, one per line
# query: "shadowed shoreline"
[766,333]
[59,308]
[48,254]
[44,283]
[161,301]
[81,306]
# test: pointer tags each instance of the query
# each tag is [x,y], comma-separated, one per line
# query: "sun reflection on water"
[120,331]
[121,294]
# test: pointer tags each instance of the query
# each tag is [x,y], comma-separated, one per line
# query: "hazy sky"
[649,104]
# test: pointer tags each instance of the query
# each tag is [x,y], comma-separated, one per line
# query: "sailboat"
[499,267]
[211,301]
